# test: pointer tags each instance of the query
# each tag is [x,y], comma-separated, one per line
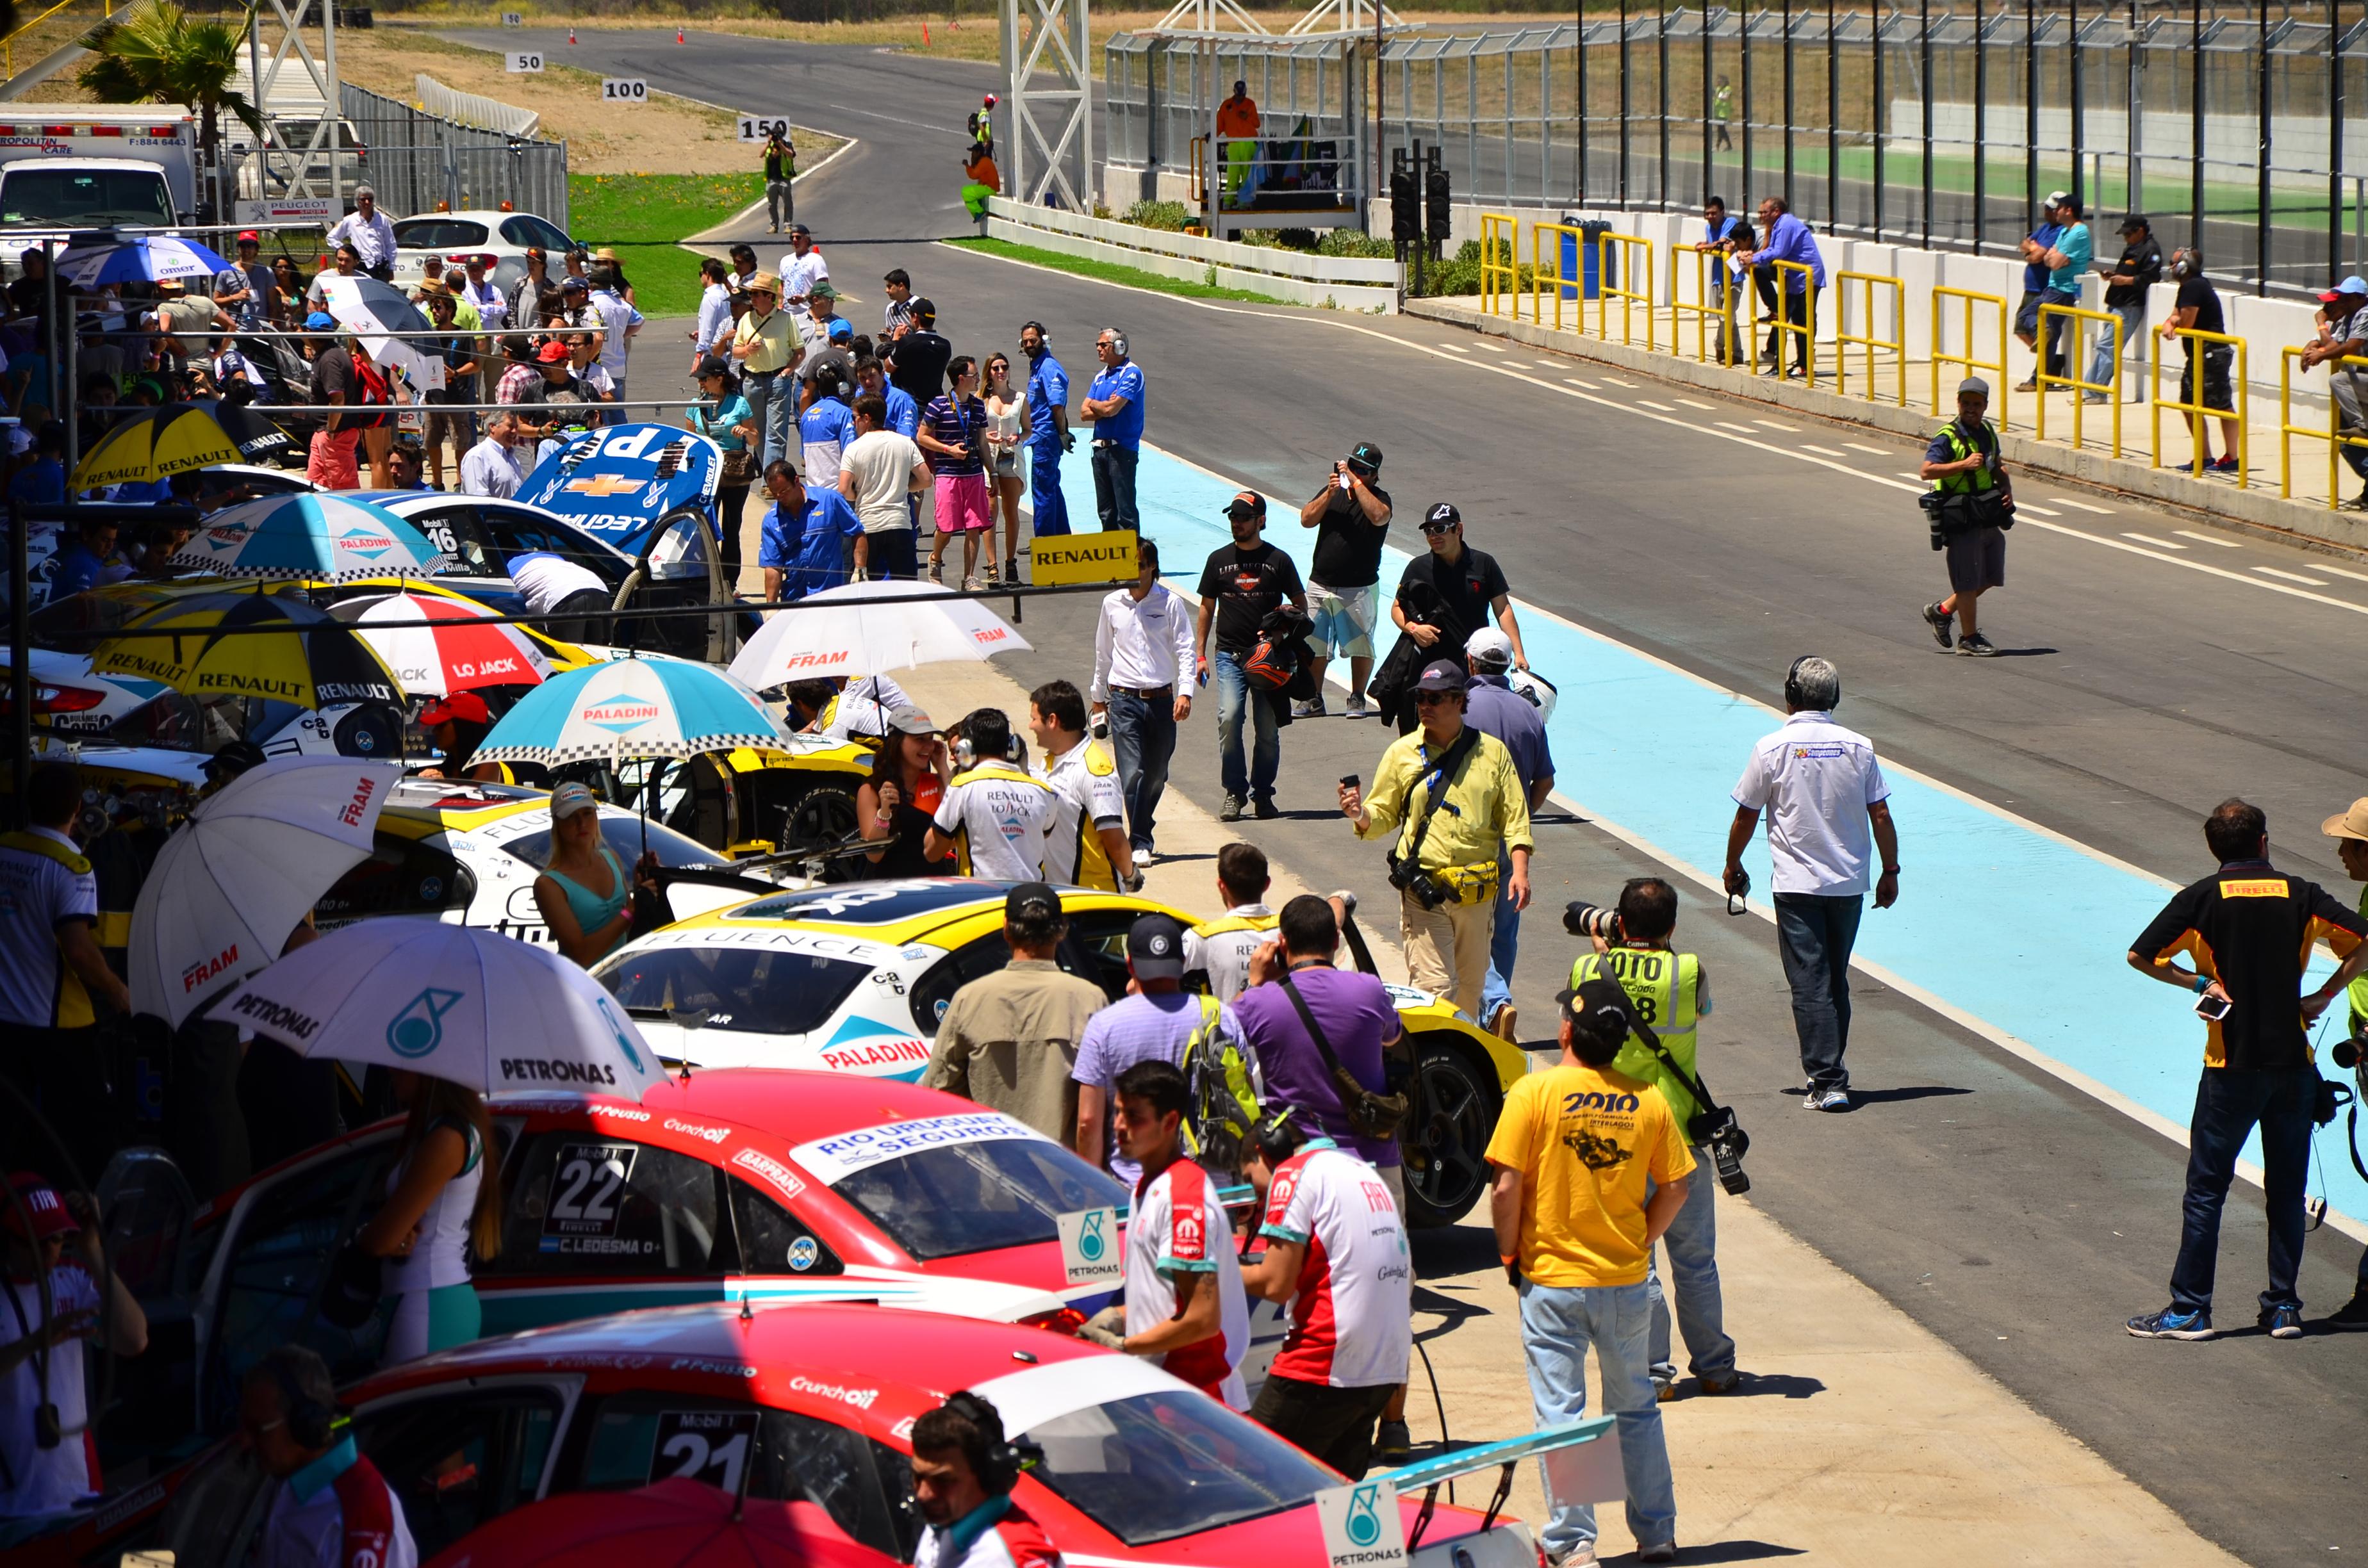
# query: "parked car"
[501,237]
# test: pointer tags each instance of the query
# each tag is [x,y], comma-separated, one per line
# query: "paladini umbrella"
[677,1523]
[303,654]
[455,1002]
[227,889]
[856,637]
[137,258]
[155,444]
[462,650]
[632,707]
[308,536]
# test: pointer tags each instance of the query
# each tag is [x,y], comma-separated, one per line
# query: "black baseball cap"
[1592,998]
[1154,948]
[2133,222]
[923,309]
[1442,675]
[1366,456]
[1443,516]
[1037,898]
[1246,504]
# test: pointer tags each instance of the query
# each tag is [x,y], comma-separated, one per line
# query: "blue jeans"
[1144,736]
[772,414]
[1234,694]
[1815,933]
[2228,1102]
[1504,947]
[1692,1242]
[1114,487]
[1557,1325]
[2059,330]
[1051,508]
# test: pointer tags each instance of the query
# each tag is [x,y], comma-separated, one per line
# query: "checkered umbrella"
[632,707]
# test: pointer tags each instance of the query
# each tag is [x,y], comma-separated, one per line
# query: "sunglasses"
[1437,527]
[1424,698]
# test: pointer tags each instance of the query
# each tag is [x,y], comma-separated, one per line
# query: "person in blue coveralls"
[1114,406]
[807,536]
[1048,387]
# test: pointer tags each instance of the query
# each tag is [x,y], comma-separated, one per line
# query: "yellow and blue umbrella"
[632,707]
[308,536]
[157,444]
[247,643]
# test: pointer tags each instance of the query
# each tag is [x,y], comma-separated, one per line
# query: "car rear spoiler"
[1428,1475]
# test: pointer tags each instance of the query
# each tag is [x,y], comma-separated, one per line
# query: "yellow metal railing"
[1197,173]
[1705,311]
[1498,283]
[2080,388]
[2196,411]
[1784,325]
[2333,435]
[1845,339]
[1607,290]
[1966,360]
[8,44]
[1543,277]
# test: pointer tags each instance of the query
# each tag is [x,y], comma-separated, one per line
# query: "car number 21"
[710,1446]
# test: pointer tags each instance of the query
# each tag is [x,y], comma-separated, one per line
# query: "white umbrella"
[227,890]
[851,635]
[370,310]
[454,1001]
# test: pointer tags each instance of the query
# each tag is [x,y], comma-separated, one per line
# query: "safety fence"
[415,162]
[1715,316]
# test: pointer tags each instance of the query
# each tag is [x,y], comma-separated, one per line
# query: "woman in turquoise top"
[584,892]
[726,419]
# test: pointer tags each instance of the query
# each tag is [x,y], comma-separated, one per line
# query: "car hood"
[618,482]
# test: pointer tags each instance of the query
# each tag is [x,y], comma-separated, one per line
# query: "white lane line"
[1547,363]
[2292,576]
[1821,452]
[1455,348]
[1664,407]
[1776,425]
[1693,402]
[2207,538]
[2158,543]
[1591,386]
[1618,382]
[1871,451]
[1918,478]
[2100,511]
[2027,506]
[2339,571]
[1491,347]
[1738,429]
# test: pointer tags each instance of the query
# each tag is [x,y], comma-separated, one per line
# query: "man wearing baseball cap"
[457,724]
[2055,257]
[49,1243]
[245,290]
[2349,828]
[1444,595]
[1351,516]
[1239,584]
[1159,1021]
[1963,465]
[1010,1039]
[2126,282]
[1451,798]
[2343,332]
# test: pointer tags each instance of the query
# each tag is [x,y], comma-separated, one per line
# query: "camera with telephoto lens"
[1419,885]
[2347,1052]
[1581,918]
[1717,1131]
[1932,501]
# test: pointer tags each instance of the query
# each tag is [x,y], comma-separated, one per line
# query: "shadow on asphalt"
[1772,1385]
[1735,1552]
[1916,1092]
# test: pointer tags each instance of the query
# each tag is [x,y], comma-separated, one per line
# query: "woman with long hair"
[1009,419]
[443,1197]
[894,806]
[585,894]
[953,435]
[727,419]
[288,284]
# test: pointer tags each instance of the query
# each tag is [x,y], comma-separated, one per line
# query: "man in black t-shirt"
[1238,586]
[917,360]
[2250,929]
[2198,308]
[2126,282]
[1449,594]
[1351,516]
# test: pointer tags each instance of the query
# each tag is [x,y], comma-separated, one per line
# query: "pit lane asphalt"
[2012,1215]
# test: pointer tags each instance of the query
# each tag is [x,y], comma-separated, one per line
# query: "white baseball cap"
[1489,646]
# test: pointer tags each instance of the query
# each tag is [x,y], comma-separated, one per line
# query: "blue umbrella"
[632,707]
[308,536]
[142,258]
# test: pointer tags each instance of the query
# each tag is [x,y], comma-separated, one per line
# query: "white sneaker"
[1358,707]
[973,586]
[1581,1556]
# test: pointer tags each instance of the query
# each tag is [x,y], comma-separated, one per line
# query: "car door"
[511,530]
[462,1455]
[472,564]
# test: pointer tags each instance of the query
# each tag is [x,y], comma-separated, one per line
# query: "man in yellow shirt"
[765,344]
[1458,797]
[1590,1168]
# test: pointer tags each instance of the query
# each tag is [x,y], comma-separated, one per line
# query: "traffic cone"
[571,32]
[678,35]
[925,35]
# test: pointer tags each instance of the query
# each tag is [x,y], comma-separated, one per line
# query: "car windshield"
[623,830]
[84,197]
[79,622]
[175,721]
[957,1198]
[755,991]
[437,234]
[1171,1463]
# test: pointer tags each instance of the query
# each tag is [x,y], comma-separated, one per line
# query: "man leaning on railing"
[2344,332]
[1786,238]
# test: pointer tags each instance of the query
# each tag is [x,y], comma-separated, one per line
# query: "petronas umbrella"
[243,643]
[154,445]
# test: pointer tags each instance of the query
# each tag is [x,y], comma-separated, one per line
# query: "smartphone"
[1348,781]
[1341,480]
[2212,1008]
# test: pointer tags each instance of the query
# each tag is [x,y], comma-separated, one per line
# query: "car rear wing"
[1428,1475]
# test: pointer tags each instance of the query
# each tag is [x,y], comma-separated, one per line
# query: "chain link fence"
[414,160]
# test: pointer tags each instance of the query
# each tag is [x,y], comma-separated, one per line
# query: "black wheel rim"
[1448,1132]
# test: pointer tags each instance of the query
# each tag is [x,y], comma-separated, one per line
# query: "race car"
[738,1186]
[854,978]
[816,1404]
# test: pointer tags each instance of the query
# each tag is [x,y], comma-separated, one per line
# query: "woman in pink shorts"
[953,435]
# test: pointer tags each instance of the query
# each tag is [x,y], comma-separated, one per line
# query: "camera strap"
[1441,778]
[1694,1086]
[1370,1115]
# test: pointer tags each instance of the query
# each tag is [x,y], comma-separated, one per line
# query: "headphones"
[1118,340]
[1269,1134]
[311,1423]
[1792,698]
[2182,262]
[1001,1461]
[966,754]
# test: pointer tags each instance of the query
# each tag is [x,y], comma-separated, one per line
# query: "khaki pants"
[1447,948]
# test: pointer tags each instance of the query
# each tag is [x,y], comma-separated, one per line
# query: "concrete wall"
[1331,282]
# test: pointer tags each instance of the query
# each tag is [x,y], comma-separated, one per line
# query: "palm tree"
[160,54]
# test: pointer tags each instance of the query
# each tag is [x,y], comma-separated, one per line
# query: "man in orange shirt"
[1237,125]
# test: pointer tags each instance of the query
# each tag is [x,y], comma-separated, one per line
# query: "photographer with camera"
[2250,929]
[1455,792]
[2350,830]
[1668,992]
[49,1244]
[1970,505]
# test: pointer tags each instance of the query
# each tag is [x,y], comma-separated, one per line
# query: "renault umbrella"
[372,311]
[155,444]
[138,258]
[458,1003]
[308,536]
[228,889]
[846,632]
[238,642]
[465,648]
[632,707]
[253,434]
[676,1523]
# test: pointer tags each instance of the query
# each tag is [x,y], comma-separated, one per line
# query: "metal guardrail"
[1540,273]
[1607,289]
[2079,386]
[1499,281]
[8,44]
[1700,309]
[415,160]
[1845,340]
[1782,322]
[2334,435]
[2196,412]
[1940,356]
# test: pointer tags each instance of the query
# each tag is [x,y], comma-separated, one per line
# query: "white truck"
[65,167]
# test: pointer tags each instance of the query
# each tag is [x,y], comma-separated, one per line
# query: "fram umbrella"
[310,537]
[632,707]
[845,634]
[462,650]
[161,442]
[301,655]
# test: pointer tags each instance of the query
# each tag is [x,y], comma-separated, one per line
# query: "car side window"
[1095,948]
[586,1203]
[461,1460]
[935,990]
[636,1438]
[773,1240]
[403,876]
[458,535]
[508,533]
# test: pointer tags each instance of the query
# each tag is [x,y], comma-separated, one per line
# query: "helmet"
[991,100]
[1538,690]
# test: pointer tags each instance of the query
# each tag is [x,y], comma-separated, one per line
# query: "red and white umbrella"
[463,649]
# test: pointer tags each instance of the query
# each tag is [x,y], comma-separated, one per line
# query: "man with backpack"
[1240,584]
[1197,1034]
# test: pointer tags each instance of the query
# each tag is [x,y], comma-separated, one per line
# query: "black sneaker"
[1977,645]
[1938,620]
[1266,811]
[2283,1321]
[1393,1443]
[2173,1324]
[1231,811]
[2352,1313]
[1012,572]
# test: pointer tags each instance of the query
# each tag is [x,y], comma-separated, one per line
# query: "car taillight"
[54,699]
[1064,1320]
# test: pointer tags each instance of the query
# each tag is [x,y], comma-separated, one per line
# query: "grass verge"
[644,216]
[1111,272]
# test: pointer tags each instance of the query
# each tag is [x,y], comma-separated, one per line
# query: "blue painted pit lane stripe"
[2042,977]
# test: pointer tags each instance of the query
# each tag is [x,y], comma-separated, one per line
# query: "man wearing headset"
[1825,795]
[330,1507]
[963,1471]
[1113,406]
[993,814]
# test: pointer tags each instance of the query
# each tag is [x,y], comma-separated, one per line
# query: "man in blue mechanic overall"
[1048,393]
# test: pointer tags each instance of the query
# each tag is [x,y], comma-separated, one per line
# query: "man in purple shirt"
[1353,1009]
[1788,239]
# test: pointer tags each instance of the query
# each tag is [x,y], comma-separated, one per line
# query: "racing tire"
[1445,1138]
[823,818]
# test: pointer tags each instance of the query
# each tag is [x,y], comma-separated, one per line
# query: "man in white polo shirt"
[1827,797]
[994,814]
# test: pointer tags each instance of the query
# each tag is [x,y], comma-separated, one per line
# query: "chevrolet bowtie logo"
[604,485]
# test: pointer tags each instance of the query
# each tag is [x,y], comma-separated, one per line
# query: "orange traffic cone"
[925,35]
[678,35]
[571,32]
